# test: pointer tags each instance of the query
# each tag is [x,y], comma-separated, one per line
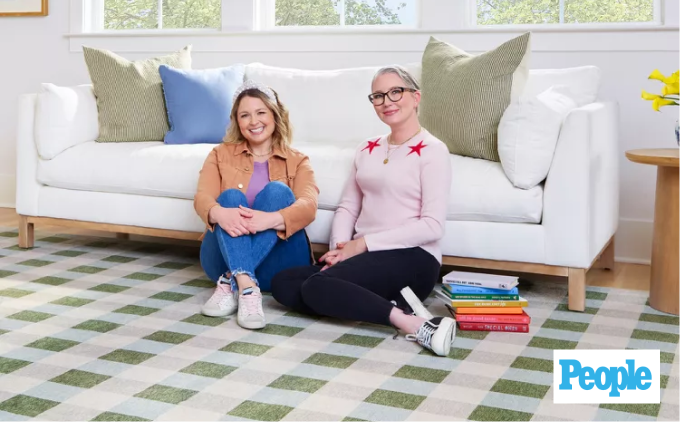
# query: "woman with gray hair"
[384,255]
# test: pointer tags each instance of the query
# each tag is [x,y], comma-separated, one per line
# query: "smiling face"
[255,120]
[394,113]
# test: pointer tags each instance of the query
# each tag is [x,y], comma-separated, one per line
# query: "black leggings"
[360,288]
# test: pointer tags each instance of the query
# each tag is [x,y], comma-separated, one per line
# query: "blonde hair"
[283,132]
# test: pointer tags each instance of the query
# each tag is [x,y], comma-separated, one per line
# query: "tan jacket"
[230,166]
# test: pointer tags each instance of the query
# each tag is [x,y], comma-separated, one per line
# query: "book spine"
[490,311]
[487,304]
[492,284]
[458,289]
[484,297]
[504,319]
[482,326]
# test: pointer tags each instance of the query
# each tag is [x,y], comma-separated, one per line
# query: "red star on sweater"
[417,149]
[371,145]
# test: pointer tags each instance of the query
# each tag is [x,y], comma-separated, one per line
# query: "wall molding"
[634,241]
[7,190]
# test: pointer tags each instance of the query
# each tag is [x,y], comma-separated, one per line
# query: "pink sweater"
[401,204]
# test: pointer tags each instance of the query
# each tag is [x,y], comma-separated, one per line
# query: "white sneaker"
[415,303]
[223,302]
[250,313]
[436,334]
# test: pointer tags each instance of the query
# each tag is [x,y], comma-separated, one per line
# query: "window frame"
[658,6]
[237,15]
[446,19]
[267,20]
[93,20]
[259,15]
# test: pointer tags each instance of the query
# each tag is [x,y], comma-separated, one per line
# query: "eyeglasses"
[394,94]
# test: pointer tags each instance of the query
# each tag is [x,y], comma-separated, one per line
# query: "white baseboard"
[634,241]
[7,190]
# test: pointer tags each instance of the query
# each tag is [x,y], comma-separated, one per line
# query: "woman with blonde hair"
[385,252]
[256,195]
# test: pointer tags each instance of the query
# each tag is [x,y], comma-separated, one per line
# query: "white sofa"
[561,227]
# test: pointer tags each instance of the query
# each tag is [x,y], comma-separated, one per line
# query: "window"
[256,15]
[160,14]
[345,12]
[520,12]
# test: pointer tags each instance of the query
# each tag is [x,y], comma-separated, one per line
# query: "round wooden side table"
[663,290]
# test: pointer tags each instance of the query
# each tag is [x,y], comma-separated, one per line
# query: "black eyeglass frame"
[401,90]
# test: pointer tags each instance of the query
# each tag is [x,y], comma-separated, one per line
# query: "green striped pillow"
[464,96]
[130,94]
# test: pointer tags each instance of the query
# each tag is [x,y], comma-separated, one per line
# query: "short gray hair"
[409,80]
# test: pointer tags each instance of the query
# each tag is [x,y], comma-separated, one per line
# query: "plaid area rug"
[102,329]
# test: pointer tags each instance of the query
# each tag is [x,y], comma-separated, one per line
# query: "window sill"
[370,30]
[600,38]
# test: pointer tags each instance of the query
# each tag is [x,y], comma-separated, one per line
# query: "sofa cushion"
[480,190]
[327,107]
[64,117]
[583,82]
[130,94]
[465,95]
[139,168]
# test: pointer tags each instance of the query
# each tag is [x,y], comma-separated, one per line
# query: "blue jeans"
[260,255]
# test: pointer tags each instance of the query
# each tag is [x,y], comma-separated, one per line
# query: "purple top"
[258,181]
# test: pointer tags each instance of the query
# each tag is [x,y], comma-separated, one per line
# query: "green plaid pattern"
[94,329]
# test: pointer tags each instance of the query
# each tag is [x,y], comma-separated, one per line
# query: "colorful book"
[455,296]
[493,281]
[521,302]
[483,326]
[489,311]
[503,319]
[473,290]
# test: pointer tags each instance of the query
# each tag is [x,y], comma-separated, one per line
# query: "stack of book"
[485,302]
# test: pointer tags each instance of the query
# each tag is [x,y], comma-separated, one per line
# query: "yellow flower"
[674,78]
[647,96]
[660,102]
[670,89]
[657,75]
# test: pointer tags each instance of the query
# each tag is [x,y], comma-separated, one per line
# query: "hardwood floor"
[624,276]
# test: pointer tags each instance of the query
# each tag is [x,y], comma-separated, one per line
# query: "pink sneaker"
[223,302]
[250,313]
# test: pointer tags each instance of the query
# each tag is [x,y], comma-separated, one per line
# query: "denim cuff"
[234,273]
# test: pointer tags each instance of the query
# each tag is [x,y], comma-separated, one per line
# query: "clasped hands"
[240,221]
[345,250]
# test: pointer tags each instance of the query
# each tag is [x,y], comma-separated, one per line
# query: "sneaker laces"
[424,334]
[252,303]
[222,293]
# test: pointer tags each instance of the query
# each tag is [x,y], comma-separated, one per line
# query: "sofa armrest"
[28,187]
[581,196]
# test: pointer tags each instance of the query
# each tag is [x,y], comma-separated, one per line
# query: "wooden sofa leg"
[606,260]
[577,289]
[26,236]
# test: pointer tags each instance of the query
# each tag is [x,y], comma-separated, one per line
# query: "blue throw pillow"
[199,102]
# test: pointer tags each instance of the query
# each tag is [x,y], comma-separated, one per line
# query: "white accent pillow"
[65,116]
[528,133]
